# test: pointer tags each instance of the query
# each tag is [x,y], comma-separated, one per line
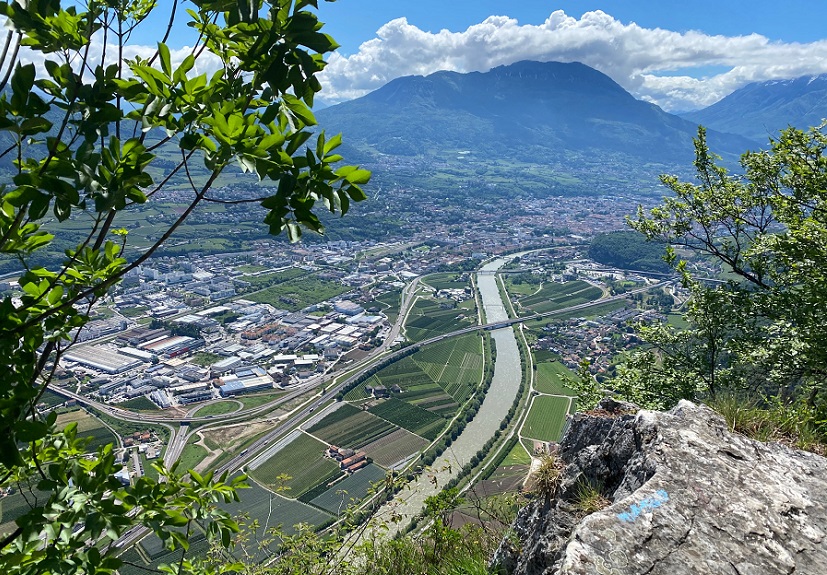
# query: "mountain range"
[527,110]
[759,110]
[563,123]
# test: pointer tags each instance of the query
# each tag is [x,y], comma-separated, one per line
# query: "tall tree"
[760,332]
[79,126]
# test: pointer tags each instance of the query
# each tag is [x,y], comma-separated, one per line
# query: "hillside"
[528,112]
[759,110]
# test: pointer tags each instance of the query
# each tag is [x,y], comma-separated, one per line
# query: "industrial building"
[101,358]
[246,380]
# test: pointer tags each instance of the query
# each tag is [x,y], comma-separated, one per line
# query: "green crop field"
[51,399]
[298,293]
[550,379]
[446,281]
[434,382]
[517,456]
[268,510]
[546,418]
[454,364]
[389,304]
[557,296]
[340,414]
[429,318]
[350,490]
[353,428]
[303,461]
[409,416]
[16,504]
[417,386]
[88,426]
[271,510]
[389,450]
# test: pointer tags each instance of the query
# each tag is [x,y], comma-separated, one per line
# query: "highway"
[181,434]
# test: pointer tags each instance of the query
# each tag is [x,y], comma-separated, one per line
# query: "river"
[505,385]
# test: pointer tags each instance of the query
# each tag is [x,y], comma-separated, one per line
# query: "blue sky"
[352,22]
[679,55]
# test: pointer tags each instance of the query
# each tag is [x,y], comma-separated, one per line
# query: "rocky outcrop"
[684,496]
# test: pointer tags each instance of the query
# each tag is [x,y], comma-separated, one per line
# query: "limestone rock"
[687,497]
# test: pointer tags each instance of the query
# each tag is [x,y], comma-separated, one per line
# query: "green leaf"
[358,176]
[299,109]
[166,63]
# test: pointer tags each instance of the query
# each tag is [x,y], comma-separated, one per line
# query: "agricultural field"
[14,505]
[546,418]
[551,379]
[554,296]
[429,318]
[447,280]
[303,461]
[298,293]
[517,456]
[51,399]
[350,427]
[271,510]
[411,417]
[394,448]
[350,490]
[268,510]
[455,364]
[88,426]
[505,479]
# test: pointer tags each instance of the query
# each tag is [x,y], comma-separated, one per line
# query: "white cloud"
[653,64]
[206,62]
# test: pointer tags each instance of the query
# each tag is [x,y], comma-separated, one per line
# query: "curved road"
[501,394]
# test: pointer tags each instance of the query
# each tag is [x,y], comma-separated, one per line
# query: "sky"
[681,55]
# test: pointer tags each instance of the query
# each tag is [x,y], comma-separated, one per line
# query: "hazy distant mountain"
[528,111]
[759,110]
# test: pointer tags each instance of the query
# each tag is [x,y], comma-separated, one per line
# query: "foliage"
[440,549]
[628,250]
[790,424]
[590,497]
[81,134]
[760,335]
[547,477]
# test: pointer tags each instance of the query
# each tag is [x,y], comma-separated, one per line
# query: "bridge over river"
[503,390]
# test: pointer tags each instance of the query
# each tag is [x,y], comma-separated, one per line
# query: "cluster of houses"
[349,460]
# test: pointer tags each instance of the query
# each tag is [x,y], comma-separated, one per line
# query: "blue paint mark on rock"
[647,504]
